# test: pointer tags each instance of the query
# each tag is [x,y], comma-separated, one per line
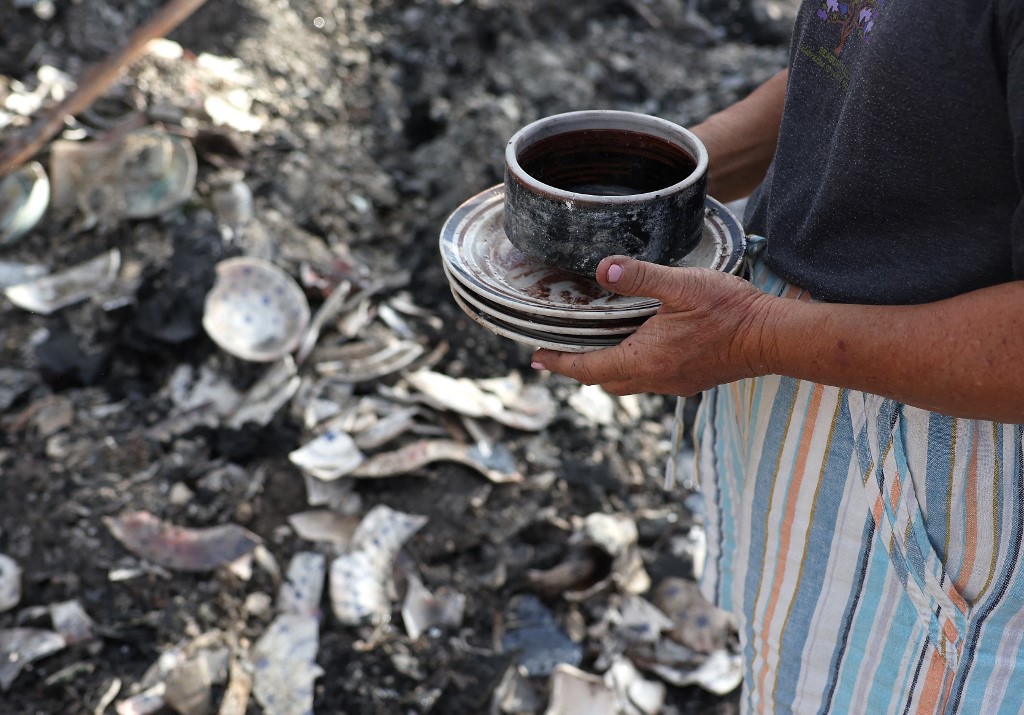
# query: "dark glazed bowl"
[584,185]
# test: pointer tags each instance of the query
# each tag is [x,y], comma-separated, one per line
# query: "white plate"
[476,252]
[532,339]
[595,329]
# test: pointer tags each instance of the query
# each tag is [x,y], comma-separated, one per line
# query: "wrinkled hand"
[711,329]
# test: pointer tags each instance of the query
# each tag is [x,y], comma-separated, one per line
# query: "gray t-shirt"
[898,173]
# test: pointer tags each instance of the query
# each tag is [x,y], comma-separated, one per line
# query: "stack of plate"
[518,297]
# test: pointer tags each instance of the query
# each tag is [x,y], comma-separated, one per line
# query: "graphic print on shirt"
[854,18]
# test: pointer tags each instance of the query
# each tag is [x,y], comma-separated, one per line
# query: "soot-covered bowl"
[584,185]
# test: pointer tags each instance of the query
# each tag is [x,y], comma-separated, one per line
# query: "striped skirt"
[871,551]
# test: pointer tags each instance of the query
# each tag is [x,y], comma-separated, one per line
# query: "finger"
[591,368]
[628,276]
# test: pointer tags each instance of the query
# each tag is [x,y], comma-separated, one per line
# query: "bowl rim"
[604,119]
[238,348]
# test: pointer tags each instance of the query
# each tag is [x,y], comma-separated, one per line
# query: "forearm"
[963,356]
[741,140]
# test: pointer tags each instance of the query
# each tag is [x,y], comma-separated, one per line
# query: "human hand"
[712,328]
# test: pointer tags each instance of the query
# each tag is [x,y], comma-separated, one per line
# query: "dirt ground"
[378,118]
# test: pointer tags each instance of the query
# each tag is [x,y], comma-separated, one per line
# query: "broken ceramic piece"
[338,495]
[576,692]
[515,695]
[189,391]
[24,196]
[418,454]
[179,548]
[72,622]
[635,694]
[641,621]
[576,578]
[681,463]
[13,273]
[692,545]
[20,647]
[187,688]
[138,174]
[336,302]
[539,641]
[697,623]
[236,696]
[531,409]
[284,665]
[255,311]
[359,579]
[364,361]
[594,404]
[330,456]
[303,590]
[265,399]
[616,535]
[10,583]
[423,610]
[358,593]
[324,525]
[147,702]
[182,678]
[720,673]
[384,530]
[59,290]
[387,428]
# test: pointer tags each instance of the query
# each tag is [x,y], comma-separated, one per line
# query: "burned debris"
[255,459]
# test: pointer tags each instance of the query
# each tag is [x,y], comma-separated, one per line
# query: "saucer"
[536,339]
[588,328]
[481,259]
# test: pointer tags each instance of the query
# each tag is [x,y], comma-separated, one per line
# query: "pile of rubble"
[255,459]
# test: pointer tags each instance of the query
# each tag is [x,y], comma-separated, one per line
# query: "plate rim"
[478,303]
[526,340]
[715,213]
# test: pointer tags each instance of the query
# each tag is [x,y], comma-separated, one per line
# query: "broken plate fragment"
[576,692]
[255,311]
[53,292]
[136,175]
[358,580]
[284,665]
[529,408]
[300,594]
[10,583]
[324,525]
[426,451]
[24,196]
[697,623]
[423,610]
[72,622]
[330,456]
[720,673]
[20,647]
[542,646]
[180,548]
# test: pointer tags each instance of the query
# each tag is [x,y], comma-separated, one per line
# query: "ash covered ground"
[374,121]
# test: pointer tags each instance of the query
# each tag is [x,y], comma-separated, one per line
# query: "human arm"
[741,140]
[962,356]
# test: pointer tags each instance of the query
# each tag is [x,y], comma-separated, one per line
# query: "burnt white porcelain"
[584,185]
[255,310]
[516,296]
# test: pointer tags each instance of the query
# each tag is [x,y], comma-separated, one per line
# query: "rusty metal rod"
[98,79]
